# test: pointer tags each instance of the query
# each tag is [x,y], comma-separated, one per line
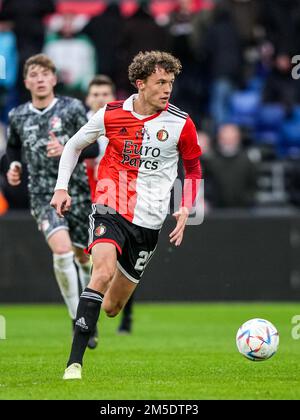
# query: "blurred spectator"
[247,16]
[201,22]
[280,86]
[204,142]
[27,17]
[105,31]
[181,29]
[277,18]
[74,57]
[141,33]
[8,67]
[296,22]
[223,51]
[187,88]
[229,174]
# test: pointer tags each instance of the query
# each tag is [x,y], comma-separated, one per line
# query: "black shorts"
[135,244]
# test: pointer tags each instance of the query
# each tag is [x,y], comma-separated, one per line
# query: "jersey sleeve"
[188,144]
[192,179]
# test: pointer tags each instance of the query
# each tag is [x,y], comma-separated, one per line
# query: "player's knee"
[63,249]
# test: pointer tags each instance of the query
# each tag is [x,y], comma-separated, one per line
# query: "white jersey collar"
[128,104]
[37,111]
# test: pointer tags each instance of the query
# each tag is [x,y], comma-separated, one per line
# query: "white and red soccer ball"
[257,339]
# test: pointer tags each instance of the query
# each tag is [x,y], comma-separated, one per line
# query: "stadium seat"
[296,113]
[268,124]
[290,139]
[291,132]
[255,84]
[244,107]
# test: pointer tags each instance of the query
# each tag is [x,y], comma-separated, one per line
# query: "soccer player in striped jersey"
[146,136]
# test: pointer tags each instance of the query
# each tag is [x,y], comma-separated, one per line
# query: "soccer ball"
[257,339]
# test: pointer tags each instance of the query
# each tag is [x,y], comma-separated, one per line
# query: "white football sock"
[67,279]
[84,271]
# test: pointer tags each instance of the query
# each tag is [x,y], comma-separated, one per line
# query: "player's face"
[40,81]
[99,96]
[156,89]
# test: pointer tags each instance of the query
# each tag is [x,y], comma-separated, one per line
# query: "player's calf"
[111,308]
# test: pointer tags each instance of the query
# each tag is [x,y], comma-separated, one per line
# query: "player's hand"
[61,201]
[181,216]
[14,174]
[54,148]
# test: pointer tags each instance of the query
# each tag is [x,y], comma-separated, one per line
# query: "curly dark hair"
[145,63]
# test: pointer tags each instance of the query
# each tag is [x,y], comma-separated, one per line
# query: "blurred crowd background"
[239,81]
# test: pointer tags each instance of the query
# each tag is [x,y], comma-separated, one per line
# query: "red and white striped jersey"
[139,167]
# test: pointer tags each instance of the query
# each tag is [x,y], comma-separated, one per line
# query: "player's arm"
[13,153]
[86,136]
[190,151]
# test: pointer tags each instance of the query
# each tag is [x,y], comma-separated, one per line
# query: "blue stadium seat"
[244,107]
[256,84]
[290,139]
[291,132]
[269,123]
[296,113]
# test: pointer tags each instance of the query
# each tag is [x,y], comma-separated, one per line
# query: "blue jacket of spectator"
[8,60]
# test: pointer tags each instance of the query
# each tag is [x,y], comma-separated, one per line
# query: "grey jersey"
[29,130]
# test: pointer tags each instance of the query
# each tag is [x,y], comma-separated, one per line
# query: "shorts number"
[143,260]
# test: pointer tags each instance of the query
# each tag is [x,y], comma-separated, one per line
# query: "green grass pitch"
[177,351]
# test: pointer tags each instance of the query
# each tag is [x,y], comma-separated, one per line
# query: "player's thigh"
[120,290]
[104,260]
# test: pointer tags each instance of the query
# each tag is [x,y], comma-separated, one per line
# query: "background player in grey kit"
[37,134]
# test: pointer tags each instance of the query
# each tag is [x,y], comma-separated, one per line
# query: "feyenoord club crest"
[100,230]
[162,135]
